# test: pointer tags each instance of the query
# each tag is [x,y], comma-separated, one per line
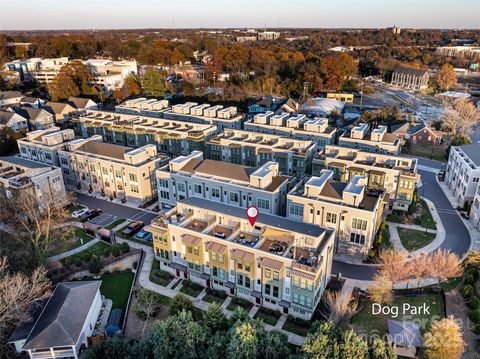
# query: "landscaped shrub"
[125,248]
[87,256]
[217,293]
[95,266]
[469,279]
[474,273]
[467,291]
[116,250]
[69,261]
[107,251]
[180,302]
[475,316]
[474,303]
[78,262]
[135,265]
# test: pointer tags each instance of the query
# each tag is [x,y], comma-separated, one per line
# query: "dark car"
[132,228]
[91,213]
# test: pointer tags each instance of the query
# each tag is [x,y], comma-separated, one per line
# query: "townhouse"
[377,140]
[463,172]
[43,145]
[173,137]
[298,127]
[222,182]
[254,149]
[395,175]
[350,209]
[20,177]
[278,263]
[218,115]
[112,170]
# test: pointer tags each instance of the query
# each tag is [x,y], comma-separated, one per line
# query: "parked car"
[133,228]
[91,213]
[142,234]
[79,212]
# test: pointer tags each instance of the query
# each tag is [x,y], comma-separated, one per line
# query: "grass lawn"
[117,288]
[427,151]
[115,223]
[269,316]
[215,296]
[413,240]
[450,284]
[239,302]
[75,207]
[159,276]
[367,323]
[426,219]
[97,248]
[177,283]
[297,326]
[71,241]
[191,288]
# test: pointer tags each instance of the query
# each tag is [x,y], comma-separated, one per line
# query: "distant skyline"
[130,14]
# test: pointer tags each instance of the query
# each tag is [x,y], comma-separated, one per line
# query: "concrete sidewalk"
[73,251]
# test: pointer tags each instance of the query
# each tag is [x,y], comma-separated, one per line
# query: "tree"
[274,346]
[179,336]
[238,315]
[382,289]
[352,346]
[180,303]
[444,340]
[460,117]
[460,139]
[393,265]
[214,320]
[37,223]
[446,77]
[131,87]
[177,57]
[320,342]
[342,308]
[95,266]
[244,340]
[17,292]
[153,83]
[146,306]
[73,79]
[8,140]
[381,350]
[336,69]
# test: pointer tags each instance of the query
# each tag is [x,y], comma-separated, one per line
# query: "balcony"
[247,239]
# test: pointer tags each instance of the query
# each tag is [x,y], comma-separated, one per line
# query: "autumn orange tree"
[444,340]
[446,77]
[74,79]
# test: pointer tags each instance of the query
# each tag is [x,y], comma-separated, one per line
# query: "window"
[331,217]
[92,168]
[63,161]
[66,171]
[197,189]
[220,258]
[234,197]
[263,203]
[221,273]
[214,256]
[164,195]
[48,156]
[105,170]
[275,275]
[215,193]
[309,302]
[296,209]
[56,179]
[359,224]
[239,265]
[134,188]
[118,173]
[275,291]
[247,282]
[163,183]
[268,273]
[247,267]
[357,238]
[267,289]
[215,271]
[189,249]
[181,187]
[195,251]
[132,177]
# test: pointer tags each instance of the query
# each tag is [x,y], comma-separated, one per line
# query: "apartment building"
[395,175]
[112,170]
[463,172]
[172,137]
[36,69]
[278,263]
[298,127]
[43,145]
[349,208]
[217,181]
[254,149]
[43,182]
[377,140]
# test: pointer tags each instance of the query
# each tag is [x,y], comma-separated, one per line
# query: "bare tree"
[146,306]
[460,117]
[444,265]
[342,308]
[38,222]
[17,292]
[393,265]
[382,289]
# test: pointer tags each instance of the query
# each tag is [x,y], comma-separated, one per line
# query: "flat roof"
[473,152]
[24,162]
[266,219]
[105,149]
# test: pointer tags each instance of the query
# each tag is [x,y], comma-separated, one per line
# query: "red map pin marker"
[252,214]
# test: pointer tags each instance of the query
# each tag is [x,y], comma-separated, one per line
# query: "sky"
[127,14]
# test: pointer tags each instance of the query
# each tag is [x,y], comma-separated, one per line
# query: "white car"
[79,212]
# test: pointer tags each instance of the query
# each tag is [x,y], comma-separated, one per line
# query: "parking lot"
[104,219]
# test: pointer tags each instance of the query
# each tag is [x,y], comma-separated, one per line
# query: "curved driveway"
[457,237]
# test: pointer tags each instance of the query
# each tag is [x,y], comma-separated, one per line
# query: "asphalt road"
[114,209]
